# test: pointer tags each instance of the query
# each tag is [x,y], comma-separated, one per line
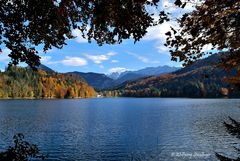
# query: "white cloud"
[98,59]
[142,58]
[114,61]
[158,32]
[46,59]
[74,61]
[139,57]
[207,48]
[67,61]
[162,49]
[117,69]
[111,53]
[101,66]
[4,55]
[169,6]
[77,33]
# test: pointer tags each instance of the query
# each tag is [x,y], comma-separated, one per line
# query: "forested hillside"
[102,82]
[145,72]
[202,79]
[18,82]
[96,80]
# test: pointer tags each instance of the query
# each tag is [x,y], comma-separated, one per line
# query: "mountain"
[149,71]
[207,62]
[128,76]
[114,75]
[96,80]
[45,68]
[102,81]
[17,82]
[201,79]
[155,71]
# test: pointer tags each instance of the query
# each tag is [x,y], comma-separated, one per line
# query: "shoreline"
[33,98]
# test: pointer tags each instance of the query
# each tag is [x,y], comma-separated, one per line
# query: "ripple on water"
[118,129]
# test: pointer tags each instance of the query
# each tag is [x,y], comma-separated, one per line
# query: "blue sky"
[81,56]
[78,55]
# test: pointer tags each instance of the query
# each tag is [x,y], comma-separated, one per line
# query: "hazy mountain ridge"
[45,68]
[101,81]
[114,75]
[154,71]
[201,79]
[96,80]
[145,72]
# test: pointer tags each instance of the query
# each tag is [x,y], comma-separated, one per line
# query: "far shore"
[41,98]
[55,98]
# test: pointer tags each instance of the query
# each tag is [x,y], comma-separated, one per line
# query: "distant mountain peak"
[145,72]
[114,75]
[201,79]
[106,81]
[44,68]
[97,80]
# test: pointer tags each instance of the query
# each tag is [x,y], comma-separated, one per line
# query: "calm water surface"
[121,128]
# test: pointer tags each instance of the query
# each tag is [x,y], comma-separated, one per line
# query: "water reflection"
[118,129]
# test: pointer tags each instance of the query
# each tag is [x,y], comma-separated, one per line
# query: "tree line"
[17,82]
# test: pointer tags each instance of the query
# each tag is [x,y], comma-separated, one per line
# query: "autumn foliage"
[215,24]
[25,83]
[28,24]
[199,80]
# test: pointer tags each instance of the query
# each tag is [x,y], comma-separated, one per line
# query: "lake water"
[122,128]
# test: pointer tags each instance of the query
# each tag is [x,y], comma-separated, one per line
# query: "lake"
[119,129]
